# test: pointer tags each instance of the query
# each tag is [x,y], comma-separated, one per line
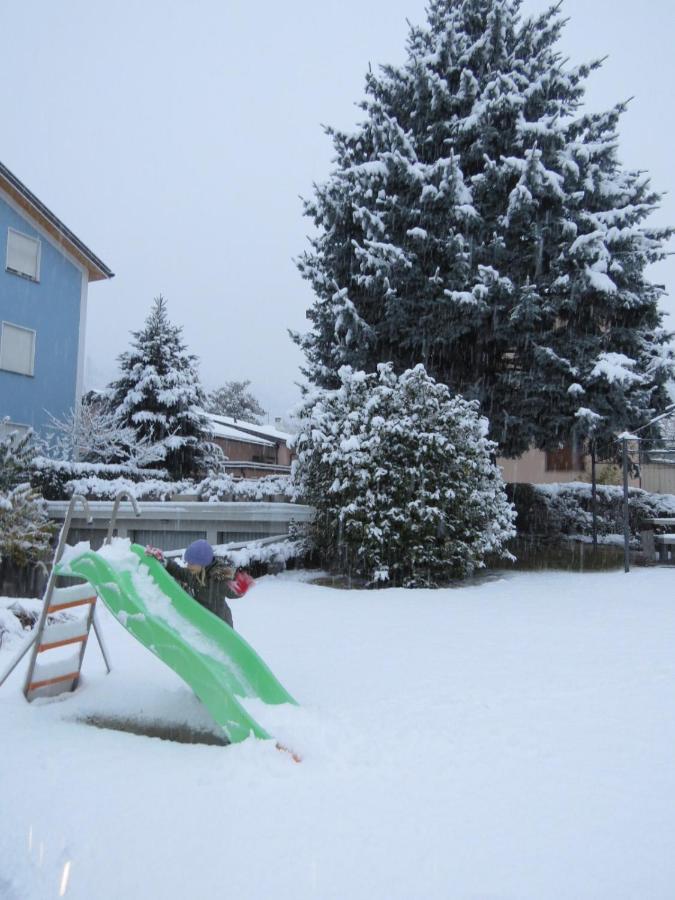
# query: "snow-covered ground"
[508,740]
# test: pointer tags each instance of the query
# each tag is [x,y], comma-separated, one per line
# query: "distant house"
[252,450]
[571,464]
[547,466]
[44,279]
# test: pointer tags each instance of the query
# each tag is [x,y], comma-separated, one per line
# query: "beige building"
[546,467]
[568,464]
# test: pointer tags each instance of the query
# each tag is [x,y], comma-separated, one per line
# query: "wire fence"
[656,461]
[650,463]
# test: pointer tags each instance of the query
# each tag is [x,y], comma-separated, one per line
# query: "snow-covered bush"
[95,488]
[261,558]
[59,479]
[552,511]
[225,487]
[16,458]
[18,616]
[402,477]
[25,530]
[11,627]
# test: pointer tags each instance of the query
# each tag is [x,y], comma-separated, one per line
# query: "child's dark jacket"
[210,589]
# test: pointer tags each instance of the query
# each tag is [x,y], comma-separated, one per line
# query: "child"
[207,579]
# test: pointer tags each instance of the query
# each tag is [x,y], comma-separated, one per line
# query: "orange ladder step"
[57,607]
[38,684]
[55,644]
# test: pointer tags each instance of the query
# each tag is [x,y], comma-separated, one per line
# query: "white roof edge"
[232,434]
[246,427]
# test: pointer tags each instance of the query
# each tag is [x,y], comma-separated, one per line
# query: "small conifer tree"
[158,394]
[235,400]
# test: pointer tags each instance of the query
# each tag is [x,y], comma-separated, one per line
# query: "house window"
[23,255]
[17,349]
[568,458]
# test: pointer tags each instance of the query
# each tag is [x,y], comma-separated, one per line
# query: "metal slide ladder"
[50,679]
[64,674]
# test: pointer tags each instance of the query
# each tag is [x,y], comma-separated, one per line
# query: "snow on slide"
[215,661]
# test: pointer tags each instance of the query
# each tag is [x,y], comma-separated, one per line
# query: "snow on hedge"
[565,509]
[225,487]
[101,489]
[60,479]
[105,470]
[264,554]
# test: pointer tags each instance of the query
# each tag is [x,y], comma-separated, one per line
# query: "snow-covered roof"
[96,269]
[232,434]
[250,428]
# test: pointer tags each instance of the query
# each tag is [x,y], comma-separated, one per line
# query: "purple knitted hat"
[199,554]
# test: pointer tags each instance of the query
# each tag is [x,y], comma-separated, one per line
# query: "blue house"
[45,272]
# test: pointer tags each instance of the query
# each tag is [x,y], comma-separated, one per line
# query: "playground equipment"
[48,636]
[216,662]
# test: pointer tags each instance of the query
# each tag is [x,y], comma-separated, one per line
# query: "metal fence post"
[594,494]
[626,527]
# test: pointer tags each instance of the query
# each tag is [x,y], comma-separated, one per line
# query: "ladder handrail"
[115,511]
[74,500]
[34,641]
[49,590]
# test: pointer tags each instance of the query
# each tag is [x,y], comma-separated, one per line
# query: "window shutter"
[569,458]
[23,254]
[17,349]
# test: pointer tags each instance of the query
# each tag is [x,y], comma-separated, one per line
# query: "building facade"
[252,451]
[45,272]
[546,466]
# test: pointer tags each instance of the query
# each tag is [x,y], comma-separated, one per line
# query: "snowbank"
[511,739]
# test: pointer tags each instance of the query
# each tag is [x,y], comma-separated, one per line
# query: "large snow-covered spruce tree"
[401,477]
[480,222]
[159,395]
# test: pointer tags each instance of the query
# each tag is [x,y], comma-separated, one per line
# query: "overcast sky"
[176,138]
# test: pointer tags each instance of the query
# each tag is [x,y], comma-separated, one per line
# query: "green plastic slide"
[209,656]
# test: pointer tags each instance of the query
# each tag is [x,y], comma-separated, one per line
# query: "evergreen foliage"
[16,458]
[480,222]
[158,394]
[401,475]
[235,400]
[25,529]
